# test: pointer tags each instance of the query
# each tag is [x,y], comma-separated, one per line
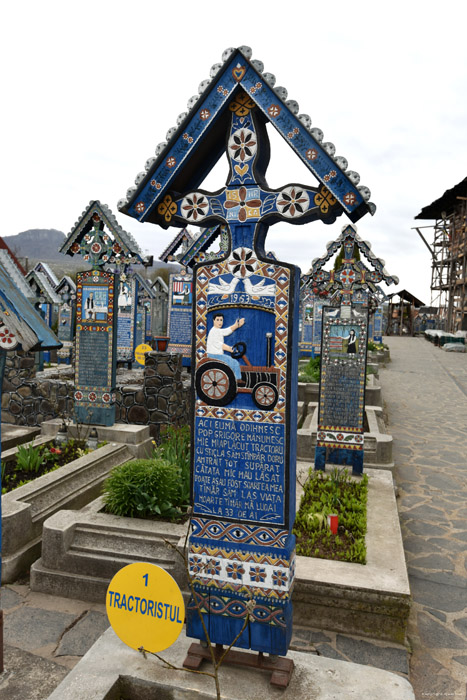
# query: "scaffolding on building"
[449,255]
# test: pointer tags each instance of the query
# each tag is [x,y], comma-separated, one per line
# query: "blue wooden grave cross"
[352,288]
[241,549]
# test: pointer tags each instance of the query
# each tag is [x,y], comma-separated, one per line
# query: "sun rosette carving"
[243,262]
[293,202]
[242,145]
[8,340]
[195,207]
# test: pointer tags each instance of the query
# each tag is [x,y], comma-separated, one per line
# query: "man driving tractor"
[215,345]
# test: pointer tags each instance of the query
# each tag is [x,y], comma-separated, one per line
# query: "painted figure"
[90,306]
[352,342]
[215,345]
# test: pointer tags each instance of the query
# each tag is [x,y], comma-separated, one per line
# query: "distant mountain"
[43,245]
[45,242]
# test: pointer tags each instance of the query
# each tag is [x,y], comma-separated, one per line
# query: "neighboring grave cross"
[352,286]
[99,239]
[245,341]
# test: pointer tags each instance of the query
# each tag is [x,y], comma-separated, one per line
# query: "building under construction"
[449,255]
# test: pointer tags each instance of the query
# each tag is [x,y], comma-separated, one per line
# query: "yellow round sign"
[145,607]
[140,353]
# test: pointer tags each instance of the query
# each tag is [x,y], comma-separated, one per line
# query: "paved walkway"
[44,636]
[425,392]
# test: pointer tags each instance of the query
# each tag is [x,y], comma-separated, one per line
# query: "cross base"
[280,667]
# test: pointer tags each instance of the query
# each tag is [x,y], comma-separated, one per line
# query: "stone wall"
[162,398]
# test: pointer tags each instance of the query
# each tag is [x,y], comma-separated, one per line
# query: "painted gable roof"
[195,145]
[159,286]
[118,247]
[13,271]
[40,284]
[48,272]
[22,323]
[183,240]
[4,247]
[66,281]
[202,242]
[364,247]
[144,285]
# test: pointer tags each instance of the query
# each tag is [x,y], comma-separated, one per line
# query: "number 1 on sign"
[146,579]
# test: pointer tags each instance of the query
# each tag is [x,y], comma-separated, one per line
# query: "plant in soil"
[33,461]
[327,494]
[153,488]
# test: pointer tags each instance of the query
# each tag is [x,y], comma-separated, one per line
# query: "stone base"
[82,551]
[371,600]
[25,509]
[111,670]
[377,443]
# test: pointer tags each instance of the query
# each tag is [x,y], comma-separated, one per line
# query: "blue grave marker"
[245,343]
[350,288]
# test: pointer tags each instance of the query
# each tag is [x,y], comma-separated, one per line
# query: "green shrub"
[311,371]
[144,488]
[175,448]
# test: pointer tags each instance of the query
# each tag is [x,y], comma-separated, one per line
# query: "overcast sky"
[90,89]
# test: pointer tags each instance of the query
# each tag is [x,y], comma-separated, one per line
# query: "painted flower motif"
[96,248]
[324,200]
[225,92]
[167,208]
[258,85]
[350,198]
[105,258]
[171,162]
[87,237]
[242,105]
[86,257]
[243,262]
[321,436]
[156,184]
[235,571]
[92,396]
[140,207]
[253,89]
[195,206]
[196,565]
[296,130]
[347,276]
[244,204]
[358,438]
[279,578]
[220,89]
[339,437]
[106,397]
[311,154]
[293,201]
[213,568]
[290,135]
[7,338]
[257,574]
[274,111]
[117,248]
[78,395]
[75,248]
[205,114]
[243,145]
